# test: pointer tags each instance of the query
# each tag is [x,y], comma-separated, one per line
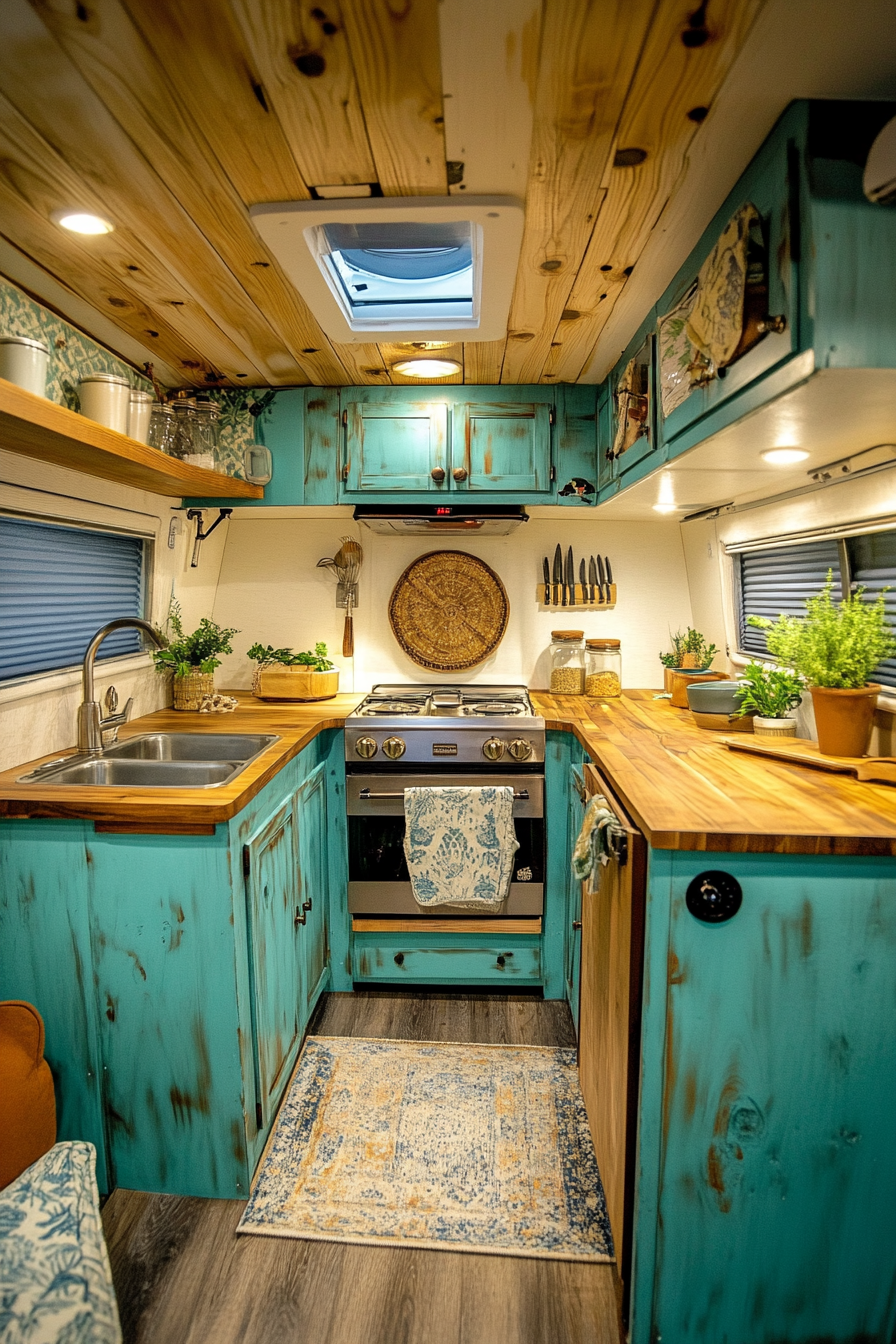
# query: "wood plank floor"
[183,1277]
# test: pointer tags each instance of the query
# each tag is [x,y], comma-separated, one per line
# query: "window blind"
[872,564]
[778,581]
[58,585]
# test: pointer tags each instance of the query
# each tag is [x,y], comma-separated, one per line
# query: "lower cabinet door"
[447,959]
[576,813]
[310,803]
[274,915]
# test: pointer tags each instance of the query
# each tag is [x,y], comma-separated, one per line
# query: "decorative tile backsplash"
[73,354]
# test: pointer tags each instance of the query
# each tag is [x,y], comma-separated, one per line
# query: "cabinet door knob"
[459,474]
[300,918]
[438,475]
[577,924]
[398,958]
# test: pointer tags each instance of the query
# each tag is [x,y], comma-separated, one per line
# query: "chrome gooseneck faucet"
[91,724]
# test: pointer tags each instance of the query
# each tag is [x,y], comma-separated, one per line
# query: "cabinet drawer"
[445,959]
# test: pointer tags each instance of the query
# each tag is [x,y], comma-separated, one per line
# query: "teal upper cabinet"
[393,442]
[500,445]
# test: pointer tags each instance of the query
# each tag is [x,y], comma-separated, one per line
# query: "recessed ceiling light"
[784,457]
[427,368]
[78,221]
[665,508]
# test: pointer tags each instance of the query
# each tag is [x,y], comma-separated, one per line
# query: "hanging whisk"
[346,565]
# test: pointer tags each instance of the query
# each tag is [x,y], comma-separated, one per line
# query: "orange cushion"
[27,1101]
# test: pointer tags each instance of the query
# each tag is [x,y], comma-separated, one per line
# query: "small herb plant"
[836,644]
[770,692]
[692,645]
[186,654]
[267,656]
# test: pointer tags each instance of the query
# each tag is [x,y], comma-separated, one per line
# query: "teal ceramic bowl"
[715,697]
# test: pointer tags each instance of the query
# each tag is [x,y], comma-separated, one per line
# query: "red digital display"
[443,512]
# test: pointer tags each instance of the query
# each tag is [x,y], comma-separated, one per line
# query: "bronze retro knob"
[394,748]
[493,749]
[365,747]
[438,475]
[459,474]
[520,749]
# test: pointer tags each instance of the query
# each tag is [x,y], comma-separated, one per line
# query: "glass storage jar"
[603,668]
[162,428]
[208,435]
[567,662]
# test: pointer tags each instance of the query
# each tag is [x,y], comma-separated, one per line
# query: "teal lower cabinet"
[176,973]
[497,960]
[766,1164]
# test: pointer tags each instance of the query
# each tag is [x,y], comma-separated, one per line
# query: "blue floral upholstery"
[55,1281]
[459,844]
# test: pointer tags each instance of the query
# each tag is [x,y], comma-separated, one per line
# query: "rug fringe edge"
[349,1240]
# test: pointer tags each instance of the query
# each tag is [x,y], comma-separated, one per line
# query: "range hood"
[478,520]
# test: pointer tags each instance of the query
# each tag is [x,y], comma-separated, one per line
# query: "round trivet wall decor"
[448,611]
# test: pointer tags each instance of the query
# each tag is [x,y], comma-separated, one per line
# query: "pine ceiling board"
[394,46]
[208,62]
[319,111]
[110,112]
[115,271]
[364,364]
[671,80]
[393,353]
[589,51]
[482,361]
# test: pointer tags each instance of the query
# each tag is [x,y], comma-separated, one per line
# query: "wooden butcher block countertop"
[680,785]
[686,790]
[172,810]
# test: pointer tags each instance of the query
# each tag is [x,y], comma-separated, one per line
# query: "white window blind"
[58,585]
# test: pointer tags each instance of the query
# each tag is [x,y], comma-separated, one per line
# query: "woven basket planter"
[189,691]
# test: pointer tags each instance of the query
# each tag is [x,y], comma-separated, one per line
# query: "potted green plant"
[835,647]
[769,694]
[192,658]
[690,653]
[283,675]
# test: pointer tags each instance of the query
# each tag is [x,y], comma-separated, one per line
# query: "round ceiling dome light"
[784,457]
[427,368]
[80,221]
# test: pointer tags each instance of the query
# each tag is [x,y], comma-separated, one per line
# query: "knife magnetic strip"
[581,595]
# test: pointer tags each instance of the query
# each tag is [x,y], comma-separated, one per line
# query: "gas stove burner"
[486,707]
[393,707]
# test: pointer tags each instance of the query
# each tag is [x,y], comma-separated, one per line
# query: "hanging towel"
[591,845]
[459,844]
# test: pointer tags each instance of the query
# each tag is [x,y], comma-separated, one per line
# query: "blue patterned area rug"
[481,1148]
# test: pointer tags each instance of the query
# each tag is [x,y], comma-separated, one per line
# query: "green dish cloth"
[592,842]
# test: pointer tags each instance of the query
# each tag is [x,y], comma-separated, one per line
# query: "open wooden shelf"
[36,427]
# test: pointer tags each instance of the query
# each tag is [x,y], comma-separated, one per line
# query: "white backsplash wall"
[271,589]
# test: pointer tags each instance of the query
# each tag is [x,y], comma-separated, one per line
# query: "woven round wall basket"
[448,611]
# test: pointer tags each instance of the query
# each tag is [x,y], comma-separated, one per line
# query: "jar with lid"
[207,434]
[603,668]
[105,398]
[23,361]
[184,429]
[567,662]
[139,415]
[162,428]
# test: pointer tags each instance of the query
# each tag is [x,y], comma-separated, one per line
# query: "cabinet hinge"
[553,473]
[247,861]
[259,1118]
[345,417]
[345,471]
[552,416]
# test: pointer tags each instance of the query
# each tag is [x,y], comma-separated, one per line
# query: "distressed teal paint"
[322,428]
[558,748]
[310,801]
[575,816]
[45,959]
[501,444]
[448,958]
[575,441]
[337,865]
[767,1170]
[393,442]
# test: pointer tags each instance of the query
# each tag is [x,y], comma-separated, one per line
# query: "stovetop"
[446,702]
[451,725]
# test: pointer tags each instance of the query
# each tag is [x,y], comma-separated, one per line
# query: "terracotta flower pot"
[843,718]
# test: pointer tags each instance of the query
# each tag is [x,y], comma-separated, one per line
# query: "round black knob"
[714,896]
[398,958]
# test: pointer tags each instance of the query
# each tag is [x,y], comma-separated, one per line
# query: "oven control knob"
[393,747]
[520,749]
[365,747]
[493,749]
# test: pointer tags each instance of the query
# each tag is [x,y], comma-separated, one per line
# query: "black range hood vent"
[448,520]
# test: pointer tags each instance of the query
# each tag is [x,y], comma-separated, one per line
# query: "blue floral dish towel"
[459,844]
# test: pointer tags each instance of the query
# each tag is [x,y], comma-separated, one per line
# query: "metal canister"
[23,361]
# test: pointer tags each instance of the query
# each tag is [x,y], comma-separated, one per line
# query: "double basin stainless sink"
[159,760]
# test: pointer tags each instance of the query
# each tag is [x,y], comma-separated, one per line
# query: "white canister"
[23,361]
[139,411]
[105,397]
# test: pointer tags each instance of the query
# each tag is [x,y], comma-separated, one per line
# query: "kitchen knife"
[609,579]
[547,581]
[582,579]
[600,579]
[592,579]
[558,575]
[570,578]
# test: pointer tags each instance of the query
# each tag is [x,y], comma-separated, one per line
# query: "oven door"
[378,880]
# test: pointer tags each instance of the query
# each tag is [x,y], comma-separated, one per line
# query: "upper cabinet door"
[393,444]
[502,446]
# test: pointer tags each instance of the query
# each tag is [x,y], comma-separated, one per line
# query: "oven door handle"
[365,794]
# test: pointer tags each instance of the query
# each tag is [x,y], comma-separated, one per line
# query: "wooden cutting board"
[868,769]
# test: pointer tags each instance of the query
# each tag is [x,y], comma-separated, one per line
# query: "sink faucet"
[91,724]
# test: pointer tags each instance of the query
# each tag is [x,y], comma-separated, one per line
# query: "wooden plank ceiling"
[173,118]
